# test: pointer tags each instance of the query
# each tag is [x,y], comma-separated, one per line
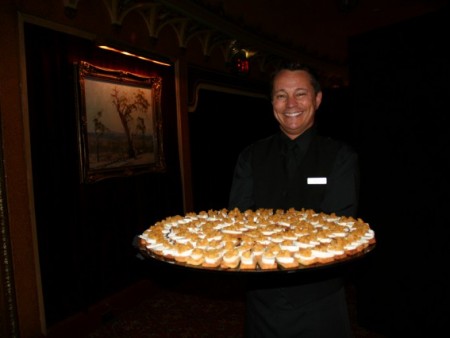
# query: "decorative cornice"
[266,46]
[214,29]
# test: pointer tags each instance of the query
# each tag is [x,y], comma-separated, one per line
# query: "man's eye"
[299,95]
[280,97]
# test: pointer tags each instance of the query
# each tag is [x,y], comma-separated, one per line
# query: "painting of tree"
[126,107]
[120,123]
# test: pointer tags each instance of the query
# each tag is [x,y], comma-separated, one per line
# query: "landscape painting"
[120,123]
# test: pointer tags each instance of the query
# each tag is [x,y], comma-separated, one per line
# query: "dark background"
[85,231]
[400,91]
[395,113]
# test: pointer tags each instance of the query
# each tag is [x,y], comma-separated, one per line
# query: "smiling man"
[297,168]
[296,97]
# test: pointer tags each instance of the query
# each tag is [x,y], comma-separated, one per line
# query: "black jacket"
[285,305]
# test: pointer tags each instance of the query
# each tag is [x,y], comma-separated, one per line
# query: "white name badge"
[317,180]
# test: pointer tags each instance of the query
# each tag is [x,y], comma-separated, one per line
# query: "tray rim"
[301,268]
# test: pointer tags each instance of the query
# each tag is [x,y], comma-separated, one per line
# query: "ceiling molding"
[194,19]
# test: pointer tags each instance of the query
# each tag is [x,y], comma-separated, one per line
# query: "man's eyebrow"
[296,89]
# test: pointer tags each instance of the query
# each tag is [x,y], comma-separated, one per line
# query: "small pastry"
[267,260]
[286,260]
[230,259]
[213,258]
[305,257]
[196,257]
[322,254]
[248,260]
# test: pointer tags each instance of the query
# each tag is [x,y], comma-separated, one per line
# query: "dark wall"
[220,128]
[85,231]
[400,82]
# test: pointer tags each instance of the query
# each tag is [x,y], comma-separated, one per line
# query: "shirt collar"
[302,141]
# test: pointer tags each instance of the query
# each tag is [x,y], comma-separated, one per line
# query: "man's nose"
[291,101]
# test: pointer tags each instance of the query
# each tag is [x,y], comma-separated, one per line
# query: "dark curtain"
[400,81]
[85,231]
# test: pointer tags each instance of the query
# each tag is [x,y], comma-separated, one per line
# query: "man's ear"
[318,99]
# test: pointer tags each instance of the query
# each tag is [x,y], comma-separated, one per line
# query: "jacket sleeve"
[342,193]
[241,192]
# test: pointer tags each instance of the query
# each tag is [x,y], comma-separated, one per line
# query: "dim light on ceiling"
[133,55]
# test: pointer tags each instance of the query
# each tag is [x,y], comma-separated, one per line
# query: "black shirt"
[326,177]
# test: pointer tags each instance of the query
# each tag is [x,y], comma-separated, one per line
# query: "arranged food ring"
[262,239]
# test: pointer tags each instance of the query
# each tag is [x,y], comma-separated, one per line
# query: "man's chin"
[294,131]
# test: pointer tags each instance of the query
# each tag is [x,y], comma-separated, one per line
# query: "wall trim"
[220,88]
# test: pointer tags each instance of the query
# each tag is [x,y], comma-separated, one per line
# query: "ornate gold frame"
[120,123]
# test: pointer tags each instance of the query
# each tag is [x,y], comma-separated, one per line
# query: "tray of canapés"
[257,240]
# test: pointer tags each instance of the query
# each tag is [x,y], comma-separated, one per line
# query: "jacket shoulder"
[332,143]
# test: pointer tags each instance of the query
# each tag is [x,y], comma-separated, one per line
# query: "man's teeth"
[292,114]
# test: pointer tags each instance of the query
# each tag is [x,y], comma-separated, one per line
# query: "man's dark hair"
[299,66]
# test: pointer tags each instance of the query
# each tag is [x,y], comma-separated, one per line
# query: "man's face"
[294,102]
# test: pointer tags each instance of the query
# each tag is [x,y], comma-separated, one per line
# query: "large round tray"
[301,268]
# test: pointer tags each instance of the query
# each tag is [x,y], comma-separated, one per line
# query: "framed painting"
[120,123]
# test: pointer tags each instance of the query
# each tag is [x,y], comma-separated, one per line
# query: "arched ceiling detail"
[192,19]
